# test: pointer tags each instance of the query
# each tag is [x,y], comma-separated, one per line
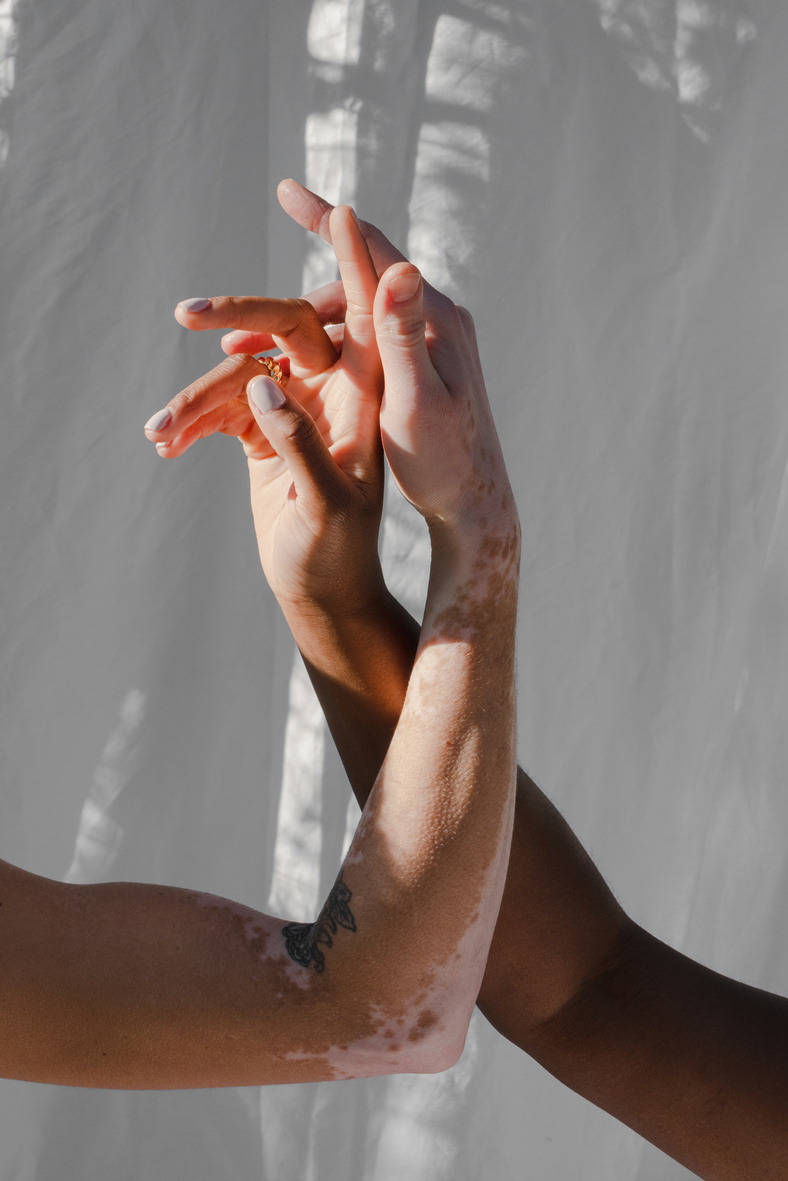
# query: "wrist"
[359,663]
[353,595]
[478,546]
[474,581]
[333,623]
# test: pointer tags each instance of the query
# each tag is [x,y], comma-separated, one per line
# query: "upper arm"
[692,1060]
[133,986]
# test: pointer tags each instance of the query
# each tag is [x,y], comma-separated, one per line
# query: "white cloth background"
[602,182]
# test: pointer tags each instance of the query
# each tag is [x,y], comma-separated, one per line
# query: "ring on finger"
[275,369]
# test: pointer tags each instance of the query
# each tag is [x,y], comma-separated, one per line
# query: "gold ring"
[275,369]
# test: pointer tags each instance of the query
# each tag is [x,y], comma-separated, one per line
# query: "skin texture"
[691,1060]
[139,986]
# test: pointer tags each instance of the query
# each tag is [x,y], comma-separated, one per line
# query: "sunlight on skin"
[389,971]
[389,1035]
[387,814]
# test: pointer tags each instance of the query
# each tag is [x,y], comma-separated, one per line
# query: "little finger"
[234,418]
[208,393]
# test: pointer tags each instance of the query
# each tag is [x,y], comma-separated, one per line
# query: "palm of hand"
[310,540]
[317,534]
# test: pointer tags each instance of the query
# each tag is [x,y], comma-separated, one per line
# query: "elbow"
[426,1049]
[611,995]
[436,1059]
[438,1047]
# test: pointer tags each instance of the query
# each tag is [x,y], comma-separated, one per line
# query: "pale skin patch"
[368,1054]
[176,988]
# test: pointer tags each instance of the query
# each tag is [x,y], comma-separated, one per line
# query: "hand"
[315,462]
[436,424]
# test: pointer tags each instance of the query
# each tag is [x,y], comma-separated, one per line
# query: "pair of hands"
[316,460]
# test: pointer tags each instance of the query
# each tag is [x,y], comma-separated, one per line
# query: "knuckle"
[355,308]
[405,333]
[186,398]
[299,429]
[303,312]
[228,310]
[194,394]
[235,364]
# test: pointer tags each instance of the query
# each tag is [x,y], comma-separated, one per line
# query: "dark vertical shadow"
[393,100]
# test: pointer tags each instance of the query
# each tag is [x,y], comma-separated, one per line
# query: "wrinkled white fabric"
[602,182]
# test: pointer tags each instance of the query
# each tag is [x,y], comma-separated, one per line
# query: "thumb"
[295,438]
[399,327]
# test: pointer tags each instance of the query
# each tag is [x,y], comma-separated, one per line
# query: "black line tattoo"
[302,939]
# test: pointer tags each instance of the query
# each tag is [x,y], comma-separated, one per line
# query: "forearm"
[434,837]
[359,664]
[138,986]
[691,1060]
[558,919]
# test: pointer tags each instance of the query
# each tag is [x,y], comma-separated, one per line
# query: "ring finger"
[210,392]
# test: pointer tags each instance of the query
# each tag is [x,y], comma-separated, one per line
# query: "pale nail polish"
[192,306]
[160,420]
[265,394]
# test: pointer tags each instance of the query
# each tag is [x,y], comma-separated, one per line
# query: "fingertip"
[402,282]
[309,209]
[193,307]
[265,394]
[159,421]
[343,224]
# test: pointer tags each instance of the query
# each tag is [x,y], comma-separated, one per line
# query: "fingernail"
[265,394]
[355,216]
[160,420]
[192,306]
[161,447]
[403,287]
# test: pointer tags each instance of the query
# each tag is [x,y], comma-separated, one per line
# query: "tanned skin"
[141,986]
[693,1061]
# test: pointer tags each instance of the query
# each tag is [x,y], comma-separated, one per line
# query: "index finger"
[314,212]
[290,324]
